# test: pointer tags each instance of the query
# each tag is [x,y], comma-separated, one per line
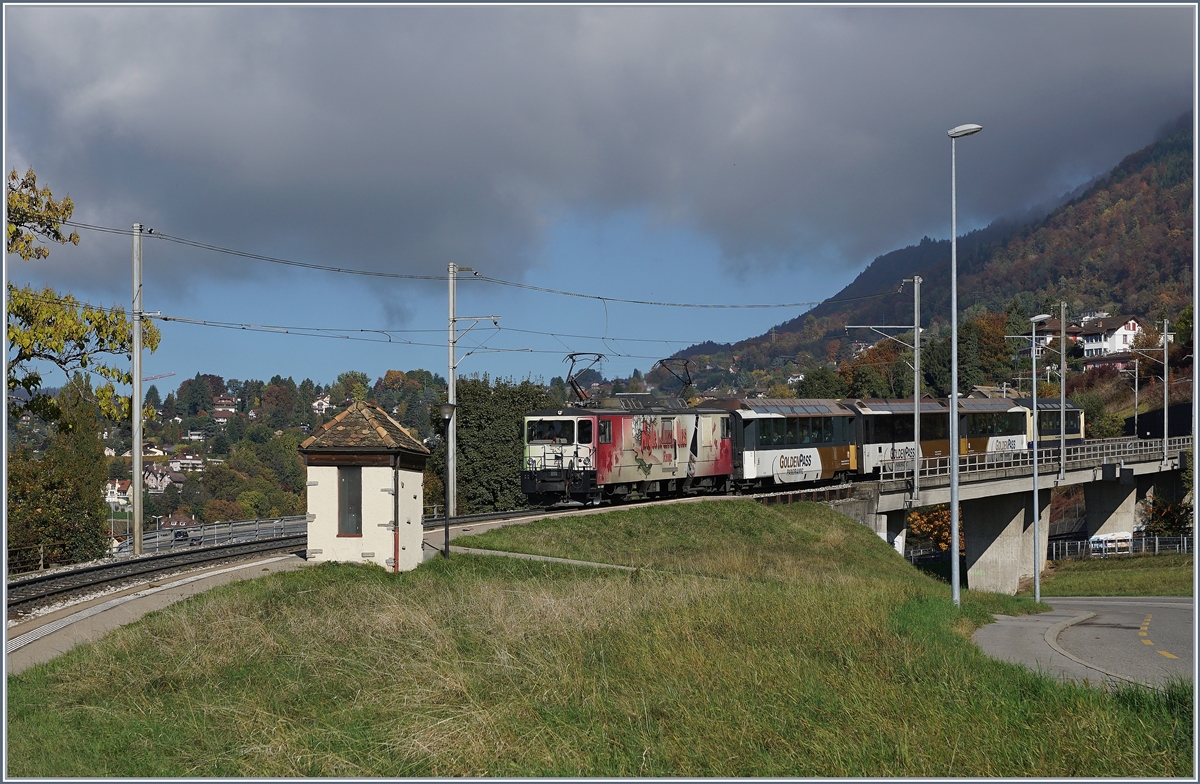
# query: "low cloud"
[403,138]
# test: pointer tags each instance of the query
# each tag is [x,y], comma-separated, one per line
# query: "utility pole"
[1062,391]
[452,337]
[916,496]
[135,407]
[1166,390]
[451,426]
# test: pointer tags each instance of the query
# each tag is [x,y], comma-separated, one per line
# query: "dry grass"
[773,642]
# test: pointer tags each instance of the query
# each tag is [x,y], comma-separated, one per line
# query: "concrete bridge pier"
[998,533]
[1110,504]
[892,527]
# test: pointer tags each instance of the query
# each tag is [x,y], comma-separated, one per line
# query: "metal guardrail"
[38,558]
[1137,545]
[1080,456]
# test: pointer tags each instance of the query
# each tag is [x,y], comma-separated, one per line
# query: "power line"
[484,278]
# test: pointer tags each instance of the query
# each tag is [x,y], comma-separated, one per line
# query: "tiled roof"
[1102,325]
[363,425]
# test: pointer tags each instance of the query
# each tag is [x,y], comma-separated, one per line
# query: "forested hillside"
[1124,244]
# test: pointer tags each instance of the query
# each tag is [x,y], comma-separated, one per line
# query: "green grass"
[754,641]
[1141,575]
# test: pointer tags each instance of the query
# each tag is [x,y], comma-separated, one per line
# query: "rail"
[1080,456]
[45,585]
[38,558]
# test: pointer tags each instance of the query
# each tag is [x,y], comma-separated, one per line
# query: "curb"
[1052,640]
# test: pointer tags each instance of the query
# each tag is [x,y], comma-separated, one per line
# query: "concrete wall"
[378,541]
[998,534]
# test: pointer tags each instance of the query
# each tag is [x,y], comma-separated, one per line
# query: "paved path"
[47,636]
[1099,639]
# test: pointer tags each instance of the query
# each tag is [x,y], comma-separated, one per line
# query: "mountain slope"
[1124,244]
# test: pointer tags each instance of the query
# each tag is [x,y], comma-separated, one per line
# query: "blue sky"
[686,154]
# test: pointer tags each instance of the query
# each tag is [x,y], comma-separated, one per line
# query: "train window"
[585,431]
[793,432]
[726,430]
[605,431]
[1014,424]
[935,427]
[764,432]
[827,429]
[1072,423]
[778,432]
[553,431]
[902,428]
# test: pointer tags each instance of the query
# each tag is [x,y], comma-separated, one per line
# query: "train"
[635,447]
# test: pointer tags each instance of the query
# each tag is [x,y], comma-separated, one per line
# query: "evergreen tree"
[60,498]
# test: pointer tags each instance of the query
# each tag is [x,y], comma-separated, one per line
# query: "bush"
[1168,518]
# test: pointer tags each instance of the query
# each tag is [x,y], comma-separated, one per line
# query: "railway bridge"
[996,498]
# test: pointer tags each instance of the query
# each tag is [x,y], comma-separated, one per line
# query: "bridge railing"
[1089,453]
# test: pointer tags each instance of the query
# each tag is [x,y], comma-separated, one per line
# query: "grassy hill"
[754,641]
[1123,244]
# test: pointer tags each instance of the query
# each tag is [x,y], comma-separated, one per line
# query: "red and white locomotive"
[630,449]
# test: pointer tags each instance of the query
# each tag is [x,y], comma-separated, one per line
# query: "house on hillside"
[1120,360]
[177,520]
[322,404]
[156,478]
[116,492]
[1110,335]
[187,463]
[226,403]
[365,489]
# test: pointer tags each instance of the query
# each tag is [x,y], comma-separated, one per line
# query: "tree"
[821,383]
[60,498]
[932,524]
[152,398]
[490,444]
[193,397]
[279,405]
[45,326]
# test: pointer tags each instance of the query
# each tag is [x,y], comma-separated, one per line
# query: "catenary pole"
[916,390]
[451,426]
[135,407]
[1062,391]
[1166,389]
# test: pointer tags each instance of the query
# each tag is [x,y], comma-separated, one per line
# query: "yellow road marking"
[1147,642]
[1169,656]
[1141,634]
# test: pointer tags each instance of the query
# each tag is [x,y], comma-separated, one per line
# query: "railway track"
[29,591]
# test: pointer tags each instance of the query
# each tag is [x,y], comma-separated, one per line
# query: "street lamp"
[447,411]
[954,134]
[1037,563]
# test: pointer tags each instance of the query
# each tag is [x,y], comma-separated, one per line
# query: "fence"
[166,540]
[1138,545]
[35,558]
[1089,453]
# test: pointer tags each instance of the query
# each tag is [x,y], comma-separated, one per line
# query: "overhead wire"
[485,278]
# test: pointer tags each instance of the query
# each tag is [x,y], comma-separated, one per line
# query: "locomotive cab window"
[605,431]
[726,430]
[551,431]
[585,431]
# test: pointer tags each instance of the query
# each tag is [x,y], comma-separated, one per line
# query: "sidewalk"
[1032,641]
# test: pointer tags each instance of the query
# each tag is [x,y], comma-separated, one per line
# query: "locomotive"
[636,447]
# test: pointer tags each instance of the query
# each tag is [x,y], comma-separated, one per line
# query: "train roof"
[623,404]
[782,406]
[981,405]
[1048,404]
[877,405]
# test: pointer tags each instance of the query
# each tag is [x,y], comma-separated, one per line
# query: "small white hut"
[365,492]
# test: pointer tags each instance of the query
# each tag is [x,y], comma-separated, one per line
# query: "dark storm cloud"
[403,138]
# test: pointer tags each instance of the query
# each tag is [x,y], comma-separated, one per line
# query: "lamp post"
[447,411]
[955,134]
[1037,563]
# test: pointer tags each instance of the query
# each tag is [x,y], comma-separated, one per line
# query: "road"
[1099,639]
